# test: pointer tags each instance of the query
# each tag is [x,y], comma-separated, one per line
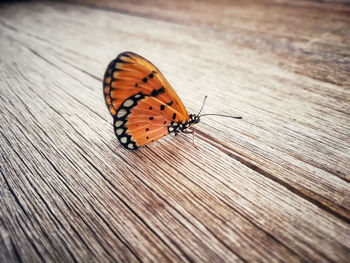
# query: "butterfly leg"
[193,133]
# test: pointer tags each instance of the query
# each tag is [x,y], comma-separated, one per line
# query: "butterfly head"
[194,119]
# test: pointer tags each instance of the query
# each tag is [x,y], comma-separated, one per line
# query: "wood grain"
[273,186]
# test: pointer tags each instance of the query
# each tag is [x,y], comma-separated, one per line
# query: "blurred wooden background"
[271,187]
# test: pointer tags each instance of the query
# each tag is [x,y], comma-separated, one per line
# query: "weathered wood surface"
[271,187]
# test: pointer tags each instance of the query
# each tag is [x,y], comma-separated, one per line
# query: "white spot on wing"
[118,123]
[123,139]
[128,103]
[121,113]
[120,131]
[137,96]
[130,146]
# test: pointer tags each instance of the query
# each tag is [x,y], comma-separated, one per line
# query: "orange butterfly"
[143,104]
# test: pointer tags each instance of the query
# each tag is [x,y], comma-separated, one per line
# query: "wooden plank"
[72,193]
[289,33]
[302,100]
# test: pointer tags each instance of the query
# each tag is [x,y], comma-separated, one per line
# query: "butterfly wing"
[141,101]
[130,74]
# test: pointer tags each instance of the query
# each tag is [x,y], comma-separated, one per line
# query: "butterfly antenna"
[205,98]
[221,115]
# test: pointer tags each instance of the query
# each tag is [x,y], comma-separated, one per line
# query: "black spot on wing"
[156,92]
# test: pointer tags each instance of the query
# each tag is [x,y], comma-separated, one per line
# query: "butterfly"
[143,104]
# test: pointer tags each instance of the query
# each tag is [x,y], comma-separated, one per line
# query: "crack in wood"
[302,192]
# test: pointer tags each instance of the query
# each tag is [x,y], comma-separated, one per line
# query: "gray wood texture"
[272,187]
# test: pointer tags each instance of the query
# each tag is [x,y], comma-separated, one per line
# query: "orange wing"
[130,74]
[144,105]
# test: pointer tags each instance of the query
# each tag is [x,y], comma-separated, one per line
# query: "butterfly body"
[144,106]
